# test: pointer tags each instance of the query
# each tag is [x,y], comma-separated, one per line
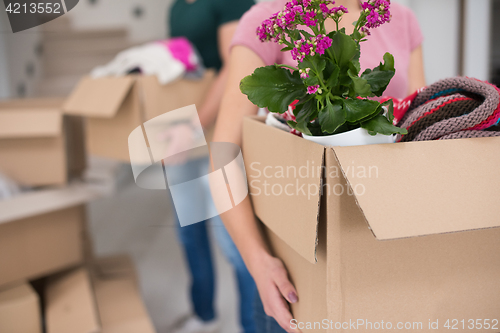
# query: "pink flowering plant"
[332,95]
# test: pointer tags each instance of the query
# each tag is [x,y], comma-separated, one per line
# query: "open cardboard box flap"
[294,218]
[100,97]
[425,188]
[420,188]
[26,123]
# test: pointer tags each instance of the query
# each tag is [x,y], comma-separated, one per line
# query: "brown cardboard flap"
[98,97]
[293,217]
[70,304]
[424,188]
[25,123]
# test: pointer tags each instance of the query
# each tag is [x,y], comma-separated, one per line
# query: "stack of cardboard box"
[44,241]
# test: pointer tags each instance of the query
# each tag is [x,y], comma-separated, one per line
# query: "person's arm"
[210,107]
[416,74]
[269,273]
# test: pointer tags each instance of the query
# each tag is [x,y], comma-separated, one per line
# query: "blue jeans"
[195,240]
[263,322]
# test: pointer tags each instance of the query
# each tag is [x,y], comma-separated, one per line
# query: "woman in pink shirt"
[402,37]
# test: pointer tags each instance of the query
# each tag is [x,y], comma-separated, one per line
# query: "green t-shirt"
[199,22]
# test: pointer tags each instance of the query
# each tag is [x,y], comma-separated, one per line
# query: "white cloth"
[151,59]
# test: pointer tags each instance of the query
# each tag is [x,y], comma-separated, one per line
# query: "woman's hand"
[275,290]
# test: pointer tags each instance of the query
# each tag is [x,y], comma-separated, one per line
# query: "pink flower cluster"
[317,44]
[297,12]
[335,11]
[378,13]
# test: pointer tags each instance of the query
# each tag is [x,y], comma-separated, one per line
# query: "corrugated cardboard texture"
[116,106]
[101,97]
[437,277]
[292,217]
[119,302]
[109,137]
[445,275]
[159,99]
[427,188]
[31,204]
[70,304]
[54,102]
[38,146]
[39,245]
[32,147]
[20,310]
[30,124]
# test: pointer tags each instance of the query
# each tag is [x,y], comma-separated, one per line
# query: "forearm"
[246,233]
[210,107]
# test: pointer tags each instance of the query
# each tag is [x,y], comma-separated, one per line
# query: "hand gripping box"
[38,145]
[115,106]
[404,233]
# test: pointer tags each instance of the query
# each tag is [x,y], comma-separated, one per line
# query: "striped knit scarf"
[452,109]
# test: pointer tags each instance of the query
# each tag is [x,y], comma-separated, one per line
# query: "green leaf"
[333,80]
[380,124]
[331,117]
[381,75]
[355,67]
[359,109]
[388,62]
[301,127]
[360,86]
[390,107]
[294,34]
[311,80]
[273,87]
[344,48]
[306,112]
[356,34]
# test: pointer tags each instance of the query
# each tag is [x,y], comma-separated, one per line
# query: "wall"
[477,39]
[20,54]
[4,73]
[439,23]
[146,20]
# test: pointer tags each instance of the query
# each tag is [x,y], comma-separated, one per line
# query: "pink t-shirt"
[399,37]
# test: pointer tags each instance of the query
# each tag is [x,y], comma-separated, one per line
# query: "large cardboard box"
[42,232]
[115,106]
[38,145]
[102,297]
[401,234]
[70,304]
[118,298]
[20,310]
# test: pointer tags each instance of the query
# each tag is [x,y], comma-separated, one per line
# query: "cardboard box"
[115,106]
[70,304]
[102,297]
[118,298]
[403,233]
[42,232]
[38,145]
[20,310]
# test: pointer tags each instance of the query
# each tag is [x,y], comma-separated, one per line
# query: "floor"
[139,222]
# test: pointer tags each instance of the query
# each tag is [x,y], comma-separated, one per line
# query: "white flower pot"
[357,137]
